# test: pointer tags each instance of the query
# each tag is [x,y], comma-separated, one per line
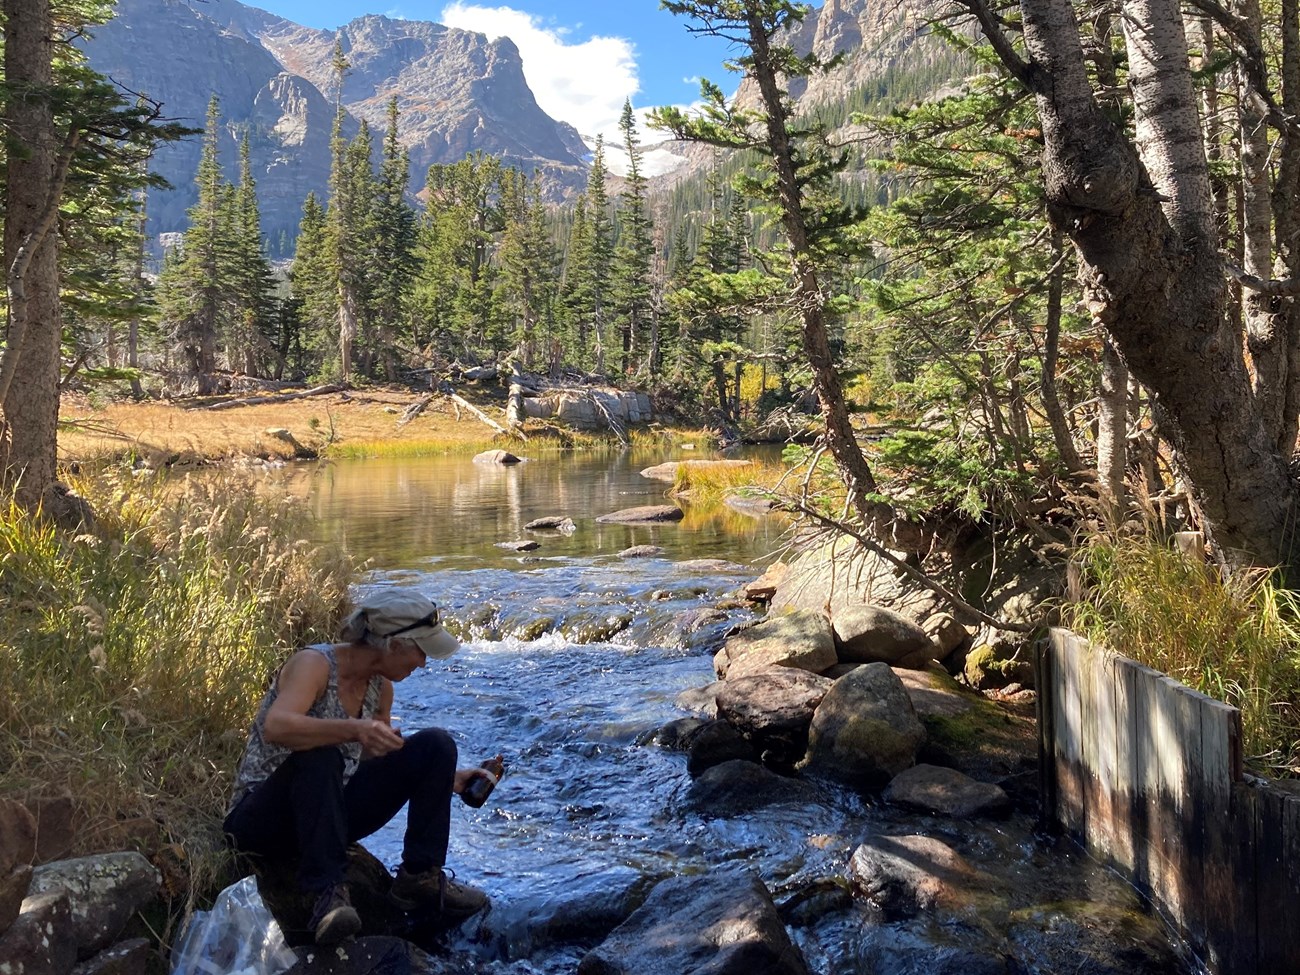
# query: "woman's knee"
[433,746]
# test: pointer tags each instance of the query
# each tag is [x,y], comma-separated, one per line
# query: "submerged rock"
[526,545]
[715,743]
[643,513]
[557,523]
[903,875]
[738,786]
[947,792]
[723,923]
[641,552]
[497,457]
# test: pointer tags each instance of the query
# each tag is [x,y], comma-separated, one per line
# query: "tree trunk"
[1286,216]
[807,293]
[1112,427]
[1061,433]
[33,184]
[1149,264]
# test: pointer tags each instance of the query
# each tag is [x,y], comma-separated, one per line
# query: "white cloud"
[583,83]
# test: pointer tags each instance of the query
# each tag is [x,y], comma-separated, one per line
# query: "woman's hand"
[465,776]
[377,738]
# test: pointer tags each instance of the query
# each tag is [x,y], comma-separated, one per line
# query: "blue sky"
[582,58]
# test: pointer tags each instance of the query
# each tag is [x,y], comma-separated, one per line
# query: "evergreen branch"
[991,25]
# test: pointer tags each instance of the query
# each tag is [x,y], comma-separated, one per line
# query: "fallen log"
[414,410]
[230,404]
[462,402]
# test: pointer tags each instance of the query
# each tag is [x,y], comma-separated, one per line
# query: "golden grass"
[706,483]
[132,656]
[1237,641]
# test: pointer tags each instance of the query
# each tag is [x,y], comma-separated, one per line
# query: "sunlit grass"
[706,482]
[1237,641]
[133,655]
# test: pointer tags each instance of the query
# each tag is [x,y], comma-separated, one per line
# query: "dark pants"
[305,811]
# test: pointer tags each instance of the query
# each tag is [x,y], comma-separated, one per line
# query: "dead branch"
[230,404]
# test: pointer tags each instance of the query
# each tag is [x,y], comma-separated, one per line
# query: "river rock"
[700,700]
[715,743]
[668,470]
[553,523]
[946,792]
[842,574]
[894,948]
[30,946]
[739,786]
[722,923]
[802,640]
[904,875]
[773,710]
[871,634]
[103,892]
[525,545]
[993,666]
[496,457]
[124,958]
[948,634]
[677,735]
[865,731]
[584,911]
[755,507]
[13,890]
[1091,939]
[934,694]
[17,836]
[762,589]
[641,552]
[642,514]
[371,955]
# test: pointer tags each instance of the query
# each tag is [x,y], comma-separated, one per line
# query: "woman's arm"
[287,723]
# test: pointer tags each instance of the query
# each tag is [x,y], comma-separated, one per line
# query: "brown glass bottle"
[481,786]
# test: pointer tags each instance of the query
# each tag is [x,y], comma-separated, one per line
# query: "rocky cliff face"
[456,91]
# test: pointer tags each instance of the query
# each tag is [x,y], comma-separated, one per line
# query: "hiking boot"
[434,889]
[334,919]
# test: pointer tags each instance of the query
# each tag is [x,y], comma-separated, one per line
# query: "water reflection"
[403,512]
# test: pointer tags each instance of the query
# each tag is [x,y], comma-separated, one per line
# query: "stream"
[573,656]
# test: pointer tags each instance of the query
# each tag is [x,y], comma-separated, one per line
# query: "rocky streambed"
[841,816]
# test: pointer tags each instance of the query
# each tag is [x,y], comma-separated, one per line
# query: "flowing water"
[573,656]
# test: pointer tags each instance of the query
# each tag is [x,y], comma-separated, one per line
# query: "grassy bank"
[132,655]
[1237,641]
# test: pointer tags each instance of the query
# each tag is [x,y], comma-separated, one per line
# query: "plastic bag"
[237,937]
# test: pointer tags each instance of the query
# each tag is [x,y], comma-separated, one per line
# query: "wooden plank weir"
[1148,774]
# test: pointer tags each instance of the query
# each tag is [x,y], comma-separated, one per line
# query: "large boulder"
[873,634]
[904,875]
[842,574]
[31,947]
[802,640]
[643,514]
[722,923]
[946,792]
[17,836]
[103,892]
[737,787]
[865,731]
[773,710]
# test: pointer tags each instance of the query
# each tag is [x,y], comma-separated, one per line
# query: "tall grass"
[1236,640]
[133,654]
[706,483]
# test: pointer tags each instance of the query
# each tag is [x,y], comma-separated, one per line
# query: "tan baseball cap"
[402,613]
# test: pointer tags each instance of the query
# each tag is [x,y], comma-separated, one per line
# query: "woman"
[324,766]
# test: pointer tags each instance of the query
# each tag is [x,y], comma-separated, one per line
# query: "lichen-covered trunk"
[30,399]
[1150,269]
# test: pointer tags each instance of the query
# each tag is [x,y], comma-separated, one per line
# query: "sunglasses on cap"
[431,620]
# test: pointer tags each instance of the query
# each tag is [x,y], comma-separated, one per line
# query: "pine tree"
[631,289]
[196,300]
[314,283]
[395,233]
[253,328]
[587,272]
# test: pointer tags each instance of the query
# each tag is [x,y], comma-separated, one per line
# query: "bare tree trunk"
[1056,419]
[1286,217]
[347,319]
[1112,426]
[29,396]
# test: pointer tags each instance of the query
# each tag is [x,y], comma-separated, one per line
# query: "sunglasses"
[431,620]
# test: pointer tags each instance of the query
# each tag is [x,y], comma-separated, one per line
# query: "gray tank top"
[261,757]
